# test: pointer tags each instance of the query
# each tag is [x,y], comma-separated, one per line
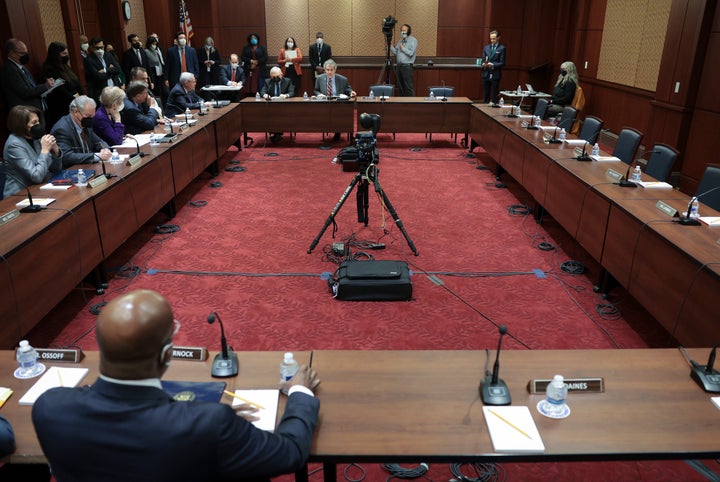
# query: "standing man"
[135,56]
[180,58]
[84,45]
[405,52]
[493,60]
[101,69]
[17,82]
[319,53]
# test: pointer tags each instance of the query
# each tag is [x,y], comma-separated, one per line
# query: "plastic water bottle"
[556,396]
[305,96]
[27,360]
[257,96]
[502,101]
[563,135]
[188,114]
[81,178]
[519,90]
[372,95]
[288,368]
[538,121]
[695,209]
[637,174]
[167,127]
[115,159]
[432,95]
[596,150]
[203,108]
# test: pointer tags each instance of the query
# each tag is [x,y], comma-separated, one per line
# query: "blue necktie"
[29,77]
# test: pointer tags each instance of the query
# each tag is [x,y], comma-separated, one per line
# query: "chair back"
[2,179]
[579,104]
[541,108]
[661,161]
[446,91]
[591,129]
[710,180]
[384,90]
[567,118]
[627,144]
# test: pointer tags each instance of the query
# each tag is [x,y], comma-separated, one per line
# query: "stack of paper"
[710,220]
[513,430]
[54,377]
[38,201]
[267,403]
[653,184]
[604,158]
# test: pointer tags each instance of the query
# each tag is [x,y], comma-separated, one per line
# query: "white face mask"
[84,47]
[100,53]
[290,45]
[319,41]
[182,42]
[404,34]
[234,65]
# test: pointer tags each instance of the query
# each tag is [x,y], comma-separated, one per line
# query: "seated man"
[332,84]
[125,427]
[75,137]
[232,75]
[183,96]
[137,115]
[277,86]
[141,74]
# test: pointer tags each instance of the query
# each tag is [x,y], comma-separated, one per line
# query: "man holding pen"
[125,427]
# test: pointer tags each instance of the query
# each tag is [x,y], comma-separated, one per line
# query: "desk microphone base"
[494,393]
[225,367]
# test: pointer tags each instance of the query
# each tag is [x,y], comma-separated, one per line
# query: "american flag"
[185,24]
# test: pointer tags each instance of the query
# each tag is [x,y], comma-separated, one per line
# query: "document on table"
[604,158]
[54,377]
[710,221]
[267,399]
[513,430]
[576,142]
[38,201]
[142,139]
[653,184]
[716,401]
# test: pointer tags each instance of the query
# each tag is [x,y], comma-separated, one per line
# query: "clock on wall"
[127,10]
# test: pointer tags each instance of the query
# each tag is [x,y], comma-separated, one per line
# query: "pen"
[256,405]
[60,378]
[311,357]
[509,423]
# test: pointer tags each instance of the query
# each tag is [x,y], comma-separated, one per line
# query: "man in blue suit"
[137,115]
[125,427]
[174,65]
[493,60]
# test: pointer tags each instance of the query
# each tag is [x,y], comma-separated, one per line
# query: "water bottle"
[115,159]
[695,209]
[167,127]
[372,95]
[538,121]
[432,95]
[257,96]
[288,368]
[188,114]
[81,178]
[596,150]
[502,102]
[563,135]
[203,108]
[637,174]
[305,96]
[556,396]
[519,90]
[27,360]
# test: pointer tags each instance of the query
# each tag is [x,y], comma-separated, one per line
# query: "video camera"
[364,153]
[388,26]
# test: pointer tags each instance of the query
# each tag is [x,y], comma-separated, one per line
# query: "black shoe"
[336,137]
[276,138]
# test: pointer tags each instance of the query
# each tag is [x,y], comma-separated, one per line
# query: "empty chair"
[591,129]
[579,104]
[541,108]
[567,118]
[383,90]
[709,181]
[446,91]
[627,144]
[661,161]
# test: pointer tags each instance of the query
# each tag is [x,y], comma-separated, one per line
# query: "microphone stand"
[225,363]
[554,139]
[493,389]
[624,182]
[31,208]
[137,144]
[584,157]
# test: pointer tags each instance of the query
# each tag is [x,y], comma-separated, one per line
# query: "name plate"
[666,208]
[612,173]
[579,385]
[184,127]
[194,353]
[97,181]
[60,355]
[134,160]
[9,216]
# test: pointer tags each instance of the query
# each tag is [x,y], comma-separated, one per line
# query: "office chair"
[661,161]
[439,92]
[591,129]
[2,179]
[567,118]
[627,144]
[384,90]
[710,180]
[541,108]
[579,104]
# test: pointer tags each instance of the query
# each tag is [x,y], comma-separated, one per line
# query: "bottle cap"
[24,343]
[288,356]
[558,380]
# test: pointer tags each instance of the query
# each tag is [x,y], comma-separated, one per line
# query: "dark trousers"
[404,74]
[491,88]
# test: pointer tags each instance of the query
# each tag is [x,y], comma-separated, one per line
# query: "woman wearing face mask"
[156,60]
[31,156]
[106,122]
[57,66]
[121,75]
[254,57]
[289,60]
[564,90]
[210,61]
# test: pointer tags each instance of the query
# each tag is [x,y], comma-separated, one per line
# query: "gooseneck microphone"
[554,139]
[444,97]
[225,363]
[687,220]
[30,208]
[493,389]
[137,145]
[706,376]
[625,182]
[98,147]
[584,157]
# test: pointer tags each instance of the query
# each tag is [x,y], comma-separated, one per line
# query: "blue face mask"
[253,41]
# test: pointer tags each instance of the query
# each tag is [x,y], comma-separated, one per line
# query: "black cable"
[399,472]
[519,210]
[489,472]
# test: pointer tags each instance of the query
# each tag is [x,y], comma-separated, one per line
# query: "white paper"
[142,139]
[54,377]
[268,399]
[513,430]
[653,184]
[575,142]
[290,54]
[56,188]
[716,401]
[710,221]
[604,158]
[40,201]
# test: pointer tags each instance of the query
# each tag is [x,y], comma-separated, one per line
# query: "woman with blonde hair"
[564,90]
[106,122]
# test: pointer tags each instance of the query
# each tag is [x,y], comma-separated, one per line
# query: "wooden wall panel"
[701,147]
[460,13]
[707,92]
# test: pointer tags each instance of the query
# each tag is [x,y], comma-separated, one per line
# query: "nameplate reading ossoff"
[194,353]
[58,355]
[587,385]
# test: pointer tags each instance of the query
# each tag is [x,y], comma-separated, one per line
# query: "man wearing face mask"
[137,115]
[180,58]
[84,45]
[277,86]
[233,75]
[31,156]
[564,90]
[319,53]
[405,52]
[18,84]
[75,136]
[135,56]
[101,69]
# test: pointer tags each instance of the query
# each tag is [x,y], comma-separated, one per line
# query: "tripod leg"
[334,212]
[394,215]
[362,202]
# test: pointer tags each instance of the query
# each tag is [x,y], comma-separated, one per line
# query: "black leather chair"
[709,181]
[591,129]
[627,144]
[2,180]
[541,108]
[383,90]
[446,91]
[661,161]
[567,118]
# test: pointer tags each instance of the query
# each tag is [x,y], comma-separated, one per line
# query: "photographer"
[405,52]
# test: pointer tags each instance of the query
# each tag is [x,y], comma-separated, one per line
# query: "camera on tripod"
[388,26]
[364,153]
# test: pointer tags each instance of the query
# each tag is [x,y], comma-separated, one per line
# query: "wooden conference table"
[423,406]
[672,270]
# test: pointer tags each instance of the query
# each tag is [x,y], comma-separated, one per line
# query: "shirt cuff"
[301,389]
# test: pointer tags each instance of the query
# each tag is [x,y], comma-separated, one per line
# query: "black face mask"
[86,122]
[276,79]
[137,45]
[37,131]
[64,60]
[563,73]
[24,59]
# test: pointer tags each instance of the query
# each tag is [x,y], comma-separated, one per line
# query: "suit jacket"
[173,64]
[497,59]
[318,56]
[286,87]
[130,60]
[226,74]
[25,165]
[296,62]
[138,118]
[110,432]
[96,80]
[212,77]
[179,100]
[341,85]
[71,145]
[17,87]
[7,437]
[110,131]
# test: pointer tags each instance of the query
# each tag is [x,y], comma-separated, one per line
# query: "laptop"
[530,88]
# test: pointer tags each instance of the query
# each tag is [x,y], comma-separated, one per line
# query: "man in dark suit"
[135,56]
[233,75]
[101,69]
[137,115]
[332,84]
[17,82]
[174,63]
[320,52]
[183,96]
[125,427]
[277,86]
[75,137]
[493,60]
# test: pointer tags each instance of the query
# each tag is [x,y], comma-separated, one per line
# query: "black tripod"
[387,66]
[370,174]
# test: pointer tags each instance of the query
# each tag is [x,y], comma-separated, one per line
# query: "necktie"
[233,75]
[29,77]
[162,62]
[277,89]
[329,87]
[492,50]
[138,56]
[182,59]
[84,140]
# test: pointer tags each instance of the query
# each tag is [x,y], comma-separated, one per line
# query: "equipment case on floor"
[378,280]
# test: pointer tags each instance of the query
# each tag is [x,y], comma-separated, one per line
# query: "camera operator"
[405,51]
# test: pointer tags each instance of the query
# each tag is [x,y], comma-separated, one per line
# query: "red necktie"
[329,87]
[184,64]
[233,75]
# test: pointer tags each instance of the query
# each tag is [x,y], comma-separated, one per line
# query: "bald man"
[125,427]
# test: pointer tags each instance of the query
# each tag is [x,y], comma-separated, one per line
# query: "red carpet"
[244,255]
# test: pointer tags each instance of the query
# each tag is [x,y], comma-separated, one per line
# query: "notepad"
[268,399]
[54,377]
[604,158]
[38,201]
[141,139]
[513,430]
[710,220]
[653,184]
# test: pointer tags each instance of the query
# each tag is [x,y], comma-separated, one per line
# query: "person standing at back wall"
[320,52]
[405,52]
[493,60]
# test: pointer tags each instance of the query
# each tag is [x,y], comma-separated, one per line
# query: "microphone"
[624,182]
[225,363]
[687,220]
[493,390]
[137,144]
[706,376]
[32,208]
[180,109]
[214,97]
[555,140]
[99,147]
[584,157]
[444,97]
